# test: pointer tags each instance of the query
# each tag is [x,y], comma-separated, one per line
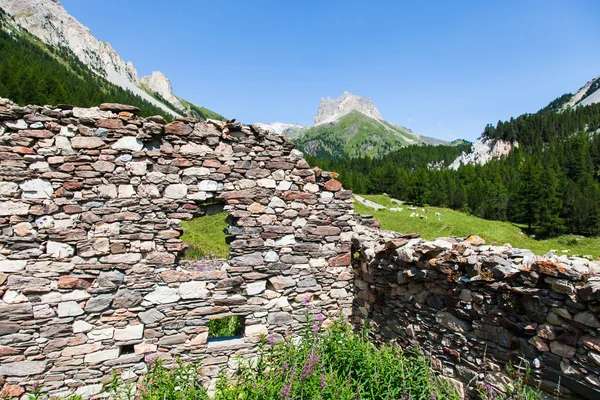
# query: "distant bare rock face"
[159,83]
[331,110]
[483,151]
[588,94]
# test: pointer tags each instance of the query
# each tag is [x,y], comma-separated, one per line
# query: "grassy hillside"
[206,236]
[454,223]
[354,135]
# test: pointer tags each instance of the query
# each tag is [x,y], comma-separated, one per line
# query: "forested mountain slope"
[550,183]
[51,40]
[34,73]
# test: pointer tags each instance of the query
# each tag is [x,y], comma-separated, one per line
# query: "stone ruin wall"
[476,308]
[90,273]
[92,281]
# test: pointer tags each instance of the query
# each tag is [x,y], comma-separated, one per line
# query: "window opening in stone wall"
[127,349]
[230,327]
[206,239]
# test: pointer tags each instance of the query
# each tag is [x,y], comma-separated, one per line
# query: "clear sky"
[442,68]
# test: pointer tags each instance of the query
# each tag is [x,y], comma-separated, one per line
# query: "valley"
[456,223]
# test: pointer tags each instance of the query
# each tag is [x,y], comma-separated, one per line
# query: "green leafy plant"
[225,327]
[334,363]
[182,382]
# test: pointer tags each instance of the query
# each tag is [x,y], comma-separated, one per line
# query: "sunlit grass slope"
[454,223]
[206,236]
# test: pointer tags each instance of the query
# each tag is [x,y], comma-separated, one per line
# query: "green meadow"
[455,223]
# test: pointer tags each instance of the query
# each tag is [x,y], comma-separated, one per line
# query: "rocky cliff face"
[331,110]
[159,83]
[586,95]
[51,23]
[483,151]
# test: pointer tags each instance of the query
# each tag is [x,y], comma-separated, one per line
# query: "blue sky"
[442,68]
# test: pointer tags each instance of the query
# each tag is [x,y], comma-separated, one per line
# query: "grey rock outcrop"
[330,110]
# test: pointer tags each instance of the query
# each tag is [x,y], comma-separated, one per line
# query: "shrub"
[335,363]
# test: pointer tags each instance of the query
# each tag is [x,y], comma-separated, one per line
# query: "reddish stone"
[178,128]
[174,276]
[116,107]
[112,123]
[77,339]
[239,194]
[181,163]
[72,209]
[333,186]
[126,115]
[68,167]
[72,282]
[72,185]
[334,174]
[302,164]
[22,150]
[56,160]
[36,133]
[11,391]
[5,155]
[211,164]
[322,230]
[299,196]
[549,268]
[190,207]
[60,192]
[53,126]
[7,351]
[280,165]
[340,261]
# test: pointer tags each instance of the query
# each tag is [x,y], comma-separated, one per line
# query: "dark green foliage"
[225,327]
[201,113]
[550,183]
[556,104]
[184,382]
[33,73]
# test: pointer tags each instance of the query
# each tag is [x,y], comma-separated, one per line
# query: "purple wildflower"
[285,390]
[307,300]
[271,340]
[320,318]
[150,359]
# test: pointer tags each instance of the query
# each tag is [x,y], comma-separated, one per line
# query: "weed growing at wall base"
[335,363]
[323,364]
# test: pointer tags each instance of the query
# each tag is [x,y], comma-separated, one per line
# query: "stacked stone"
[90,273]
[477,308]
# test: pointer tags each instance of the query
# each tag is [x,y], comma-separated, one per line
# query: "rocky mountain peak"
[159,83]
[331,110]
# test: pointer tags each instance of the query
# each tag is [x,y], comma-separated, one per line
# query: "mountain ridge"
[349,125]
[48,21]
[331,110]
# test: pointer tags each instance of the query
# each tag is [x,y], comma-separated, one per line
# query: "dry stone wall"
[477,309]
[91,278]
